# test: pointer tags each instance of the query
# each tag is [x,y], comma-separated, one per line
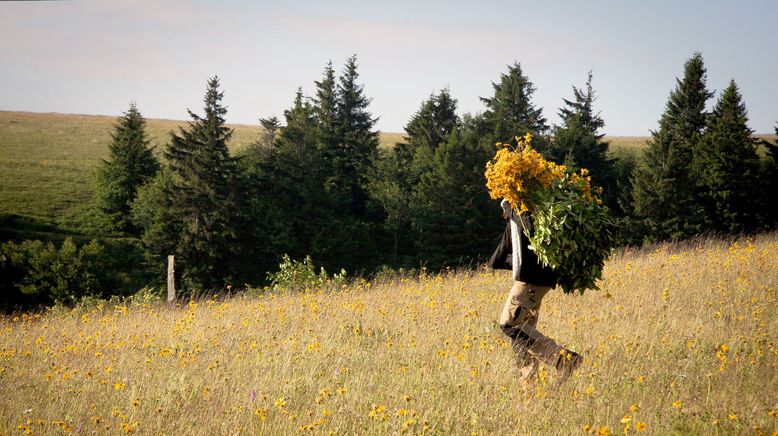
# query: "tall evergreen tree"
[295,181]
[769,184]
[433,122]
[130,164]
[578,143]
[326,112]
[453,217]
[727,166]
[203,195]
[663,191]
[358,141]
[270,127]
[510,111]
[428,129]
[400,169]
[257,151]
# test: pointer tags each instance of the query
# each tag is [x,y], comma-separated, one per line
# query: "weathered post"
[171,279]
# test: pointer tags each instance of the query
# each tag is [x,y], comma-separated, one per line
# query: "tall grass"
[680,340]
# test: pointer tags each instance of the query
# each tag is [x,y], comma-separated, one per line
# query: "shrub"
[38,273]
[301,275]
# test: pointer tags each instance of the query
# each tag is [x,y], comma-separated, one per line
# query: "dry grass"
[682,340]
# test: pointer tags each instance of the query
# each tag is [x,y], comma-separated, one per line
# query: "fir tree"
[358,141]
[295,184]
[433,122]
[577,143]
[727,166]
[427,130]
[270,127]
[769,184]
[203,195]
[398,172]
[510,111]
[326,112]
[453,217]
[130,164]
[664,192]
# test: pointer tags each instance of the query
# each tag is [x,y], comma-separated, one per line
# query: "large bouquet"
[572,228]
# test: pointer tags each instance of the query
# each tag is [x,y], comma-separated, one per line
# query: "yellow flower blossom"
[513,173]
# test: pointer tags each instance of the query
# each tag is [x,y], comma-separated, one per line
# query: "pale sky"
[96,56]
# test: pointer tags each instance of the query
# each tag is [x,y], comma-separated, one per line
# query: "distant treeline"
[316,184]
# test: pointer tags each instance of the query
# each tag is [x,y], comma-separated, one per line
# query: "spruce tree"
[453,218]
[203,195]
[664,192]
[726,166]
[130,164]
[358,141]
[326,112]
[769,184]
[510,111]
[433,122]
[295,184]
[399,171]
[428,129]
[577,141]
[270,127]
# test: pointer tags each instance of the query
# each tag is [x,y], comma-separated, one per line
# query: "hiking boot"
[567,363]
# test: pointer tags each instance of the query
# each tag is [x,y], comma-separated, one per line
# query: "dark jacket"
[530,269]
[524,262]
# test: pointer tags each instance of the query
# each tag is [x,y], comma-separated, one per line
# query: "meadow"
[681,339]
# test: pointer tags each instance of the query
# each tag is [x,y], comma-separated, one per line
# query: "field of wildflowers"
[682,339]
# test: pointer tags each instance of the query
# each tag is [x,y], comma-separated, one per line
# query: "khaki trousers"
[518,319]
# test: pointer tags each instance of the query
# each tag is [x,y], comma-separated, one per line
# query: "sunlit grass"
[680,340]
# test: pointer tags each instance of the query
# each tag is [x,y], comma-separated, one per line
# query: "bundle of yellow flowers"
[572,228]
[517,173]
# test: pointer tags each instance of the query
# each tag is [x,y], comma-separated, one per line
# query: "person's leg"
[546,350]
[519,320]
[520,309]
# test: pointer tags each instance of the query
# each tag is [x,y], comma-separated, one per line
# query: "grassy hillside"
[681,340]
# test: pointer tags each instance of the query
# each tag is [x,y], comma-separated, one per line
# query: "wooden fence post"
[171,279]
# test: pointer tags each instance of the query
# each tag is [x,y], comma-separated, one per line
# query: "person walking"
[519,316]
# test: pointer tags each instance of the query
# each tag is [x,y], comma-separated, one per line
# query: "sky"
[97,56]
